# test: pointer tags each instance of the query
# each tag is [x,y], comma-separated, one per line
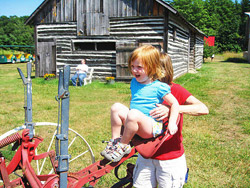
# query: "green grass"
[9,52]
[217,145]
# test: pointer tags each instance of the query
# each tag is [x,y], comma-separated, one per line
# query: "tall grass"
[217,145]
[10,52]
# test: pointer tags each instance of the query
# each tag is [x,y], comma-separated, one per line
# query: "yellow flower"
[49,75]
[110,78]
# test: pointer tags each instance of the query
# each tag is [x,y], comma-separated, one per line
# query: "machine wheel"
[78,147]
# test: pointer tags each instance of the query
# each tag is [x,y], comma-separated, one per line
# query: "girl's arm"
[174,112]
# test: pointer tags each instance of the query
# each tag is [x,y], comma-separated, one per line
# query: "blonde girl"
[146,92]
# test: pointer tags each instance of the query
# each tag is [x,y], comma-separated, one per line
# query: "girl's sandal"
[110,144]
[118,151]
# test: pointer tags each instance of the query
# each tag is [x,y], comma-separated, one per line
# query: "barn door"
[91,19]
[123,51]
[47,58]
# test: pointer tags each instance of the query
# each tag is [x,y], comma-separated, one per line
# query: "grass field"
[10,51]
[217,145]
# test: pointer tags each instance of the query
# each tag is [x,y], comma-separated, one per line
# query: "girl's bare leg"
[137,123]
[119,114]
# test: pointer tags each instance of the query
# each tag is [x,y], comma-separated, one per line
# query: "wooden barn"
[104,32]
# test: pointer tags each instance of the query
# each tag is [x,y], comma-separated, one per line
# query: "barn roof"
[162,2]
[30,18]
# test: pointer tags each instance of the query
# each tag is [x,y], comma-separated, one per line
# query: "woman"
[168,168]
[80,74]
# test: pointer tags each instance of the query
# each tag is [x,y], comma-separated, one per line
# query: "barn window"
[84,46]
[94,46]
[105,46]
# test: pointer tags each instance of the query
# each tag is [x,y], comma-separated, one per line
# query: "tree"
[194,11]
[219,18]
[13,31]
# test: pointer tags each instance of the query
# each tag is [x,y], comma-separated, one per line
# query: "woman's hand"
[160,112]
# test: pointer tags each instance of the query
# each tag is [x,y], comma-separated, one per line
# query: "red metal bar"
[4,173]
[94,172]
[28,152]
[14,161]
[15,183]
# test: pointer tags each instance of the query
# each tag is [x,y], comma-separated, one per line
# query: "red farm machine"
[20,171]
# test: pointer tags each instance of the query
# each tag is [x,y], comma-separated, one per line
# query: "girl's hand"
[160,112]
[172,128]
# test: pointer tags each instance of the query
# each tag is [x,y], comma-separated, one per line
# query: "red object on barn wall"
[209,40]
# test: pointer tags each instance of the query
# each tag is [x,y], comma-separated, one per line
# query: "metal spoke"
[46,124]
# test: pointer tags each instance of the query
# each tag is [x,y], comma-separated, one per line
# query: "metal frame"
[28,99]
[63,98]
[60,160]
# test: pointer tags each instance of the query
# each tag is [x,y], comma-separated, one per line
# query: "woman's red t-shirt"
[173,148]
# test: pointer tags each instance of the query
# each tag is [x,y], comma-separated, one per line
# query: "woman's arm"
[192,106]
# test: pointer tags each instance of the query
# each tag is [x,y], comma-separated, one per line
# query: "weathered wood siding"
[178,48]
[103,61]
[133,32]
[91,19]
[93,15]
[199,45]
[192,52]
[139,28]
[123,51]
[63,36]
[58,36]
[65,26]
[57,11]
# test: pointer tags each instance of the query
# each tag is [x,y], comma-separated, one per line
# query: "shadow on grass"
[235,60]
[32,77]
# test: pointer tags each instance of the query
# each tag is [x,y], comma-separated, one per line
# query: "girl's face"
[139,72]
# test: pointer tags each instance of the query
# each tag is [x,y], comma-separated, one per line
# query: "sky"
[18,7]
[23,7]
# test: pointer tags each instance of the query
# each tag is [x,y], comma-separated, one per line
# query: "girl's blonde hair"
[149,56]
[167,68]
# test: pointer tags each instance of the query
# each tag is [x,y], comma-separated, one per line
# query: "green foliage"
[223,19]
[209,51]
[13,31]
[194,11]
[227,32]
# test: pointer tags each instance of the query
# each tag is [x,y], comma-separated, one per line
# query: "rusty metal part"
[10,139]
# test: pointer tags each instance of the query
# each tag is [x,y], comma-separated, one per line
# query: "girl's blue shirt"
[146,96]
